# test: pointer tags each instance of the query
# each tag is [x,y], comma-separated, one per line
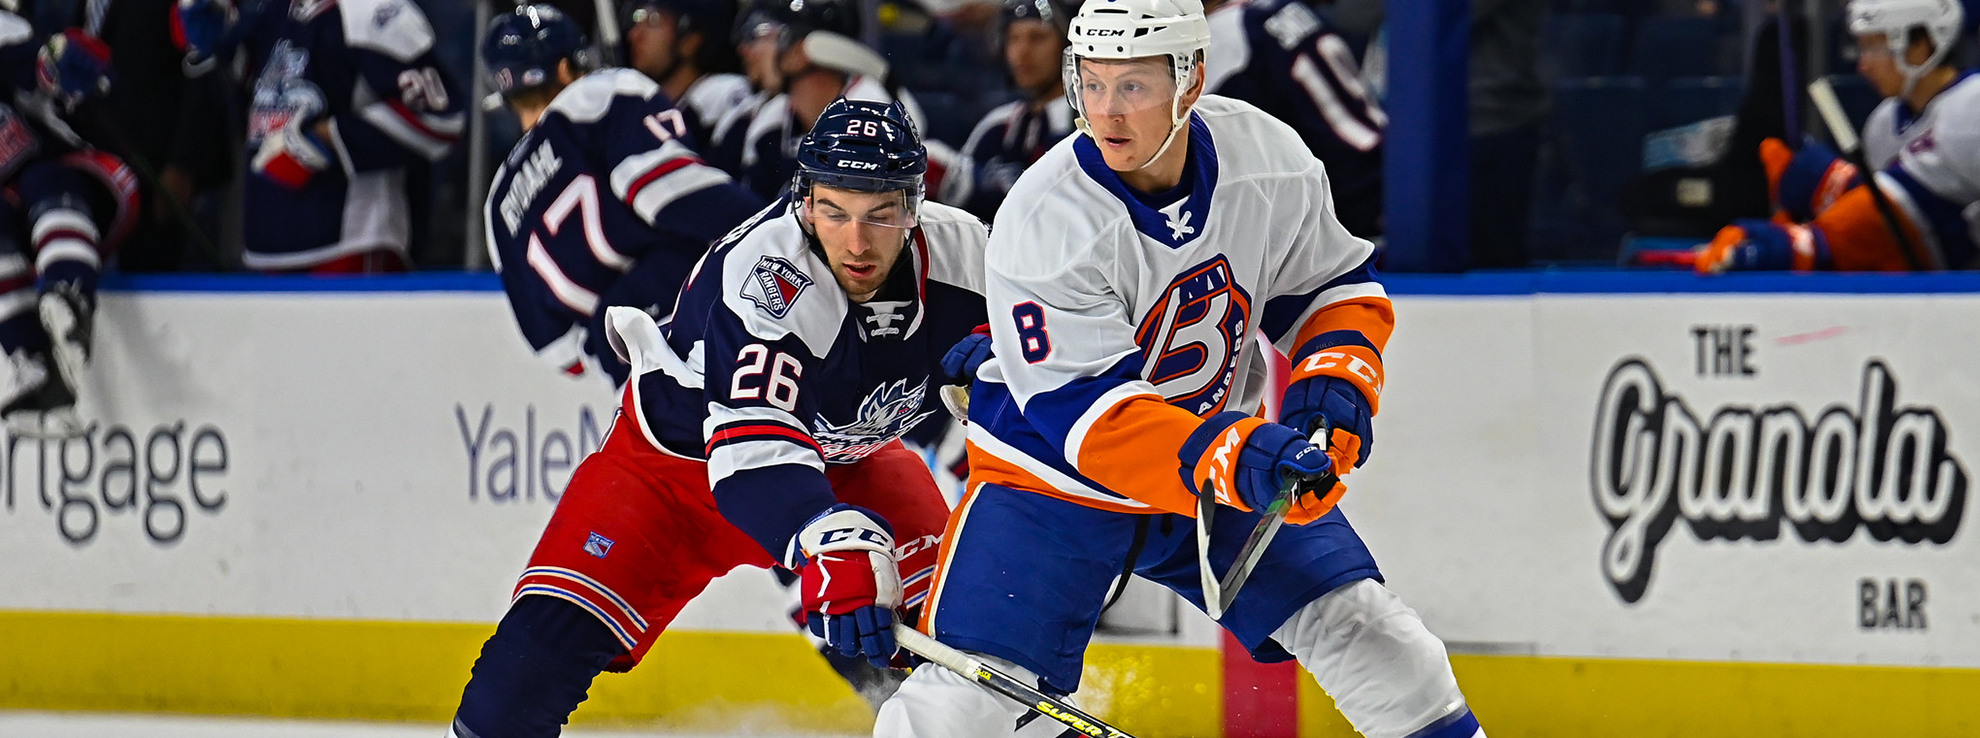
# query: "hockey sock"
[534,671]
[65,249]
[1461,724]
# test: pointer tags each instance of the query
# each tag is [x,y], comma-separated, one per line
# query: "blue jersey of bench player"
[368,66]
[603,203]
[769,372]
[1008,139]
[1282,57]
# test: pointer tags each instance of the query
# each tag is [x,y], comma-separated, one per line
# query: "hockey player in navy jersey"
[1282,57]
[603,202]
[818,59]
[65,207]
[684,46]
[343,95]
[1924,141]
[1127,273]
[1013,135]
[761,428]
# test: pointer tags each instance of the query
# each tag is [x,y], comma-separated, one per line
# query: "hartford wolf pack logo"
[886,414]
[774,284]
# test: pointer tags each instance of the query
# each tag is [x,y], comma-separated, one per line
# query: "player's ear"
[1196,83]
[690,45]
[567,72]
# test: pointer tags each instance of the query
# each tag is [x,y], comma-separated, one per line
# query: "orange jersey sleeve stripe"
[1131,450]
[1374,317]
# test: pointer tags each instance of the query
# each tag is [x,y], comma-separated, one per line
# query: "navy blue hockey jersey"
[603,203]
[1008,139]
[367,65]
[707,101]
[1280,56]
[769,372]
[761,149]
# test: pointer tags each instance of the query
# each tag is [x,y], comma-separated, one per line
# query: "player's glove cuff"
[1346,355]
[839,528]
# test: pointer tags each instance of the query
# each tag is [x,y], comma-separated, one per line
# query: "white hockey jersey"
[1120,320]
[1930,165]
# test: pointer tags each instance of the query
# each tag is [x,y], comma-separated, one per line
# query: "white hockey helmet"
[1132,29]
[1940,19]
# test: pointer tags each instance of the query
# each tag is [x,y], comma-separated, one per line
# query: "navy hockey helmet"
[690,16]
[1056,13]
[522,48]
[791,20]
[865,146]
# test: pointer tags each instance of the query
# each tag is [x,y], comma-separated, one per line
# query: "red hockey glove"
[849,581]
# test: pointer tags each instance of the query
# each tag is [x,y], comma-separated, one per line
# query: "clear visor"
[831,207]
[644,15]
[1103,88]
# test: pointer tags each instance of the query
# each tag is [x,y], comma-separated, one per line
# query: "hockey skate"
[45,406]
[39,404]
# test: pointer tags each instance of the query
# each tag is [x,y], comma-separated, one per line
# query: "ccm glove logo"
[1326,362]
[843,535]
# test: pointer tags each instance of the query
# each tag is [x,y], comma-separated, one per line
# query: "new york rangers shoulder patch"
[775,284]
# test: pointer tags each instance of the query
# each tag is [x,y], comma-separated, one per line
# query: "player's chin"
[1120,159]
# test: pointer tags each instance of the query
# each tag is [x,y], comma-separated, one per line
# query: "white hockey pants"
[1387,674]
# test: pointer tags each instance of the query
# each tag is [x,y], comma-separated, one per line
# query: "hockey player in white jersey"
[1924,141]
[1128,269]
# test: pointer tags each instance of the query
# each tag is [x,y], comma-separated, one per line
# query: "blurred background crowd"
[1597,127]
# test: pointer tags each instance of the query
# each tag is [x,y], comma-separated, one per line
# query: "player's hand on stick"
[1245,462]
[849,581]
[73,67]
[1759,245]
[1344,408]
[1806,182]
[962,361]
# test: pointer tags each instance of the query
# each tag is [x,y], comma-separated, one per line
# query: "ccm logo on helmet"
[1107,32]
[850,164]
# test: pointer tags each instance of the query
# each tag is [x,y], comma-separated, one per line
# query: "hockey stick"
[608,33]
[1218,594]
[1004,684]
[1790,101]
[140,165]
[1831,110]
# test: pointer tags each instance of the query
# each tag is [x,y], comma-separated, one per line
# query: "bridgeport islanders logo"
[1741,472]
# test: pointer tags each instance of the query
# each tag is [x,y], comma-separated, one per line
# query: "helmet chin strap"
[1176,122]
